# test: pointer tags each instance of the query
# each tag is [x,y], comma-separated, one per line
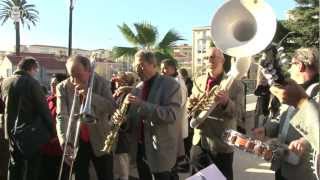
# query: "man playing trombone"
[91,135]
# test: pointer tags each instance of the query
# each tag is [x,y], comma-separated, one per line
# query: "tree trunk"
[17,26]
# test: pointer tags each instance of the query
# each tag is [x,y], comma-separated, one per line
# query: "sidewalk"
[247,167]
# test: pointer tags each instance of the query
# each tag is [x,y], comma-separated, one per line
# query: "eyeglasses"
[292,63]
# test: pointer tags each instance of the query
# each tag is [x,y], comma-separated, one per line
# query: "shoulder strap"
[312,89]
[286,124]
[17,118]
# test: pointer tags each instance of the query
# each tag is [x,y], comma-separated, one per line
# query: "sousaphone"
[242,28]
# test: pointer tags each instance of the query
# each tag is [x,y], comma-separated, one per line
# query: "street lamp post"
[70,28]
[16,14]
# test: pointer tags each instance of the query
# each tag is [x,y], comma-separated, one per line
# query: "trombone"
[85,116]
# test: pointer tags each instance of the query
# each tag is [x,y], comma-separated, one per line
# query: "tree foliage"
[304,21]
[28,16]
[145,37]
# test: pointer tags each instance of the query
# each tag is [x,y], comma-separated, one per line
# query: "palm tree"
[27,15]
[146,38]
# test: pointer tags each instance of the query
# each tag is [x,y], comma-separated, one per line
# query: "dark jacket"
[33,102]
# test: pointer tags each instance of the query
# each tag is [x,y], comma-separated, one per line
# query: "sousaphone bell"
[242,28]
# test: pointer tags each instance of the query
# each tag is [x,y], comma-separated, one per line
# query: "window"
[9,72]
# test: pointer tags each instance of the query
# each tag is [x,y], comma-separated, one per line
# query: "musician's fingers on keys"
[298,146]
[222,97]
[126,100]
[133,99]
[193,101]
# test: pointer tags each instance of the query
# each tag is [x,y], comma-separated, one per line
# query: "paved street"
[247,167]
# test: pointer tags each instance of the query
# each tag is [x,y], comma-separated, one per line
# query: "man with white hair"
[208,146]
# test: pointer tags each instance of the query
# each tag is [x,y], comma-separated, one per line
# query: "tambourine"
[247,144]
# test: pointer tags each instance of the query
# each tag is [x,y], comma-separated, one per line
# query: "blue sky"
[95,21]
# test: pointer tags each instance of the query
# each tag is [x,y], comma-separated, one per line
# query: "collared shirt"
[84,130]
[145,93]
[212,81]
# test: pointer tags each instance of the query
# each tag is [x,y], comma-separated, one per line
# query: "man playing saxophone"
[126,81]
[92,135]
[154,108]
[208,147]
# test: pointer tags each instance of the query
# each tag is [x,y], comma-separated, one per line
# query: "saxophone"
[118,118]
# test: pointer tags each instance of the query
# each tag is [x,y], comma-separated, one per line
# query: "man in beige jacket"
[92,136]
[208,146]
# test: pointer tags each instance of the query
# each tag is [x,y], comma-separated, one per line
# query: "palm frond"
[169,40]
[147,34]
[4,18]
[161,56]
[128,34]
[118,52]
[7,4]
[29,15]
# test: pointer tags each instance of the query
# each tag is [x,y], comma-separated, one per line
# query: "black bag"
[27,138]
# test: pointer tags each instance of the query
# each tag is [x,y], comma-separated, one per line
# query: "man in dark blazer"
[155,106]
[22,87]
[4,150]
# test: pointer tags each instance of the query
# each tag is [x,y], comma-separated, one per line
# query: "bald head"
[215,60]
[78,68]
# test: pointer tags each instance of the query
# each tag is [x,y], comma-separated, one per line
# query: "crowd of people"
[155,141]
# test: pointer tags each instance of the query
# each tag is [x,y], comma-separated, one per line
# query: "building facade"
[201,39]
[183,54]
[49,64]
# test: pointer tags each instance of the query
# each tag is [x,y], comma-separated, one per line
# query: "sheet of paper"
[209,173]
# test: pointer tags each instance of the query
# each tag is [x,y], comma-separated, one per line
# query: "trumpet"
[118,118]
[85,116]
